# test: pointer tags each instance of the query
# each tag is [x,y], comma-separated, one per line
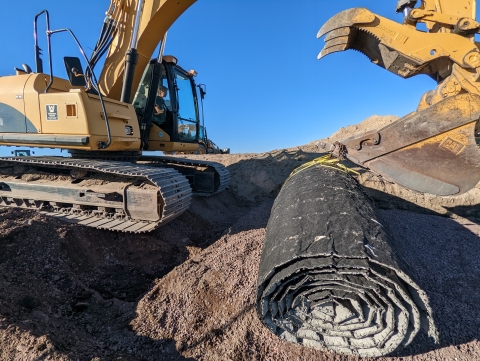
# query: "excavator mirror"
[74,69]
[203,90]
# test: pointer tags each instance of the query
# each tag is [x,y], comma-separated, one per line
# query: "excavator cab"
[166,104]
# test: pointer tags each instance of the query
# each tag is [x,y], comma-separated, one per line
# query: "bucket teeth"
[346,19]
[334,45]
[339,33]
[340,30]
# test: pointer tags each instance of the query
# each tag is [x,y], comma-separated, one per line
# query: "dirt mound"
[372,123]
[186,291]
[69,292]
[256,177]
[206,305]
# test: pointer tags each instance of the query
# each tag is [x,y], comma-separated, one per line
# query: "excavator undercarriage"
[105,194]
[108,195]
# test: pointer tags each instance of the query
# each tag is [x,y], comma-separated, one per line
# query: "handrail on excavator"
[38,59]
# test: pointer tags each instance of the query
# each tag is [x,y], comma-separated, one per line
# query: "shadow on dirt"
[261,177]
[442,256]
[72,291]
[472,213]
[388,201]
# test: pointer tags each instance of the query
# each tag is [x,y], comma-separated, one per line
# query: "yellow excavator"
[107,183]
[106,124]
[432,149]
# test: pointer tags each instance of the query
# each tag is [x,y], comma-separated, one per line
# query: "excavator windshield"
[187,107]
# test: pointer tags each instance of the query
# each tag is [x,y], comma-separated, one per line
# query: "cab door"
[187,117]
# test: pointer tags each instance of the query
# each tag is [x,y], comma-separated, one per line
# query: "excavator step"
[110,195]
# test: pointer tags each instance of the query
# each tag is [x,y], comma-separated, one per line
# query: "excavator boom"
[432,150]
[156,18]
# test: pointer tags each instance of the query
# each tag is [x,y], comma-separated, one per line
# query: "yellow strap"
[325,161]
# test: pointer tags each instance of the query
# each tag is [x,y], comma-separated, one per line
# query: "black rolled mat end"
[328,277]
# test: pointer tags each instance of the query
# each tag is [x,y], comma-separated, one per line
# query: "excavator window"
[187,110]
[201,133]
[140,99]
[177,113]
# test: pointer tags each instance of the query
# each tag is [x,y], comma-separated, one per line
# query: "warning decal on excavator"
[52,112]
[455,143]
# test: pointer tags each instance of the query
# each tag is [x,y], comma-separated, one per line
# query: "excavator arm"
[154,19]
[433,149]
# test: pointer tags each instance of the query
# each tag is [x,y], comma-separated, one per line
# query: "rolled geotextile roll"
[328,276]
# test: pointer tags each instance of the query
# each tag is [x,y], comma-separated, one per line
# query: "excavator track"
[206,178]
[136,198]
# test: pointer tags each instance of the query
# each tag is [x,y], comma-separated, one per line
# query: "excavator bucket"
[430,151]
[341,31]
[395,47]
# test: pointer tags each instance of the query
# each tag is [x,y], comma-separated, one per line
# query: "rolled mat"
[328,276]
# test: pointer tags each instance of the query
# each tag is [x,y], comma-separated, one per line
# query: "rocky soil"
[186,291]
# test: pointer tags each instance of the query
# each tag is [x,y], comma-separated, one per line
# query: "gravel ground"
[207,304]
[187,291]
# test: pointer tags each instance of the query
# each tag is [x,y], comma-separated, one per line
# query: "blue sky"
[265,87]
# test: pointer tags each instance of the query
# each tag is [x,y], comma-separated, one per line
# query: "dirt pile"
[186,291]
[371,123]
[207,304]
[70,292]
